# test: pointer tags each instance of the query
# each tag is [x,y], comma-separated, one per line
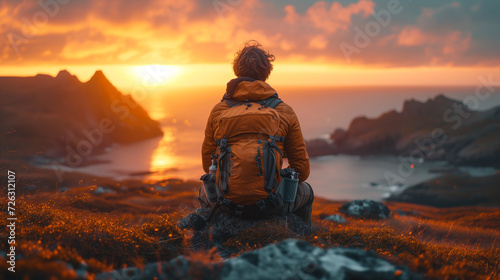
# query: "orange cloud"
[451,43]
[411,36]
[318,42]
[94,32]
[333,17]
[291,15]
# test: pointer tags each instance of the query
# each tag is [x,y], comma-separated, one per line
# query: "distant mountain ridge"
[58,116]
[438,129]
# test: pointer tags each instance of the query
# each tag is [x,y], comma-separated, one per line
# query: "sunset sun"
[156,75]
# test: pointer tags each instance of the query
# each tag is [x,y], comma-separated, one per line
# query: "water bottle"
[209,182]
[213,168]
[290,186]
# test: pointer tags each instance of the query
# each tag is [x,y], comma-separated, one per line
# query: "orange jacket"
[294,146]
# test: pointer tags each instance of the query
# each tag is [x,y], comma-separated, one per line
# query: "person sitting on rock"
[247,136]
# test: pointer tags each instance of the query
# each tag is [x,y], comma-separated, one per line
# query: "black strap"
[233,102]
[272,162]
[257,160]
[279,138]
[223,172]
[276,137]
[222,164]
[279,151]
[271,102]
[263,208]
[212,214]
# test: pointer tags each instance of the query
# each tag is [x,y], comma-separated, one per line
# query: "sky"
[392,42]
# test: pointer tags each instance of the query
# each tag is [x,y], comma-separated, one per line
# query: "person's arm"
[208,147]
[295,149]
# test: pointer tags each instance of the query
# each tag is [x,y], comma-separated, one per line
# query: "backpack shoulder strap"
[232,102]
[273,102]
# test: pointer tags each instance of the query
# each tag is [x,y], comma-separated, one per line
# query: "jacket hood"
[245,88]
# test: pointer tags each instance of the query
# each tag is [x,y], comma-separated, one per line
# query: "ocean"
[182,114]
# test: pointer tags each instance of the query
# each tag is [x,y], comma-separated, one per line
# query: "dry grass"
[453,243]
[138,225]
[62,227]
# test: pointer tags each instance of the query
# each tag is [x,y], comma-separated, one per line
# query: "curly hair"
[253,61]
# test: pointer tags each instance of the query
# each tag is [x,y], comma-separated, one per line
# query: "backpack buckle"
[223,143]
[273,141]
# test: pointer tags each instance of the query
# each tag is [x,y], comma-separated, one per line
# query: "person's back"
[252,67]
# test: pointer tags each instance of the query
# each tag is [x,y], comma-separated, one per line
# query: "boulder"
[103,190]
[289,259]
[365,209]
[336,219]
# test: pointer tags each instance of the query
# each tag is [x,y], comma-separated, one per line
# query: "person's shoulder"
[220,106]
[283,107]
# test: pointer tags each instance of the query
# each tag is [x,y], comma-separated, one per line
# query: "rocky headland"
[68,120]
[453,190]
[438,129]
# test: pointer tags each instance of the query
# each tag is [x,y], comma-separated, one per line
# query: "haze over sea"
[182,113]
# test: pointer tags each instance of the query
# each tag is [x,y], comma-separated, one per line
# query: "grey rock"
[366,209]
[81,272]
[400,212]
[297,259]
[69,266]
[101,190]
[174,269]
[336,219]
[289,259]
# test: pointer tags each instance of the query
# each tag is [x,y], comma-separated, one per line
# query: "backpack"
[248,160]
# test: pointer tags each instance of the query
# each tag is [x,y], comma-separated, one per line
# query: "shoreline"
[426,192]
[368,186]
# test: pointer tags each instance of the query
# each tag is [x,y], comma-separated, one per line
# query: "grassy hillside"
[95,226]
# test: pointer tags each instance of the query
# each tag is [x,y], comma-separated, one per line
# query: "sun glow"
[163,159]
[153,76]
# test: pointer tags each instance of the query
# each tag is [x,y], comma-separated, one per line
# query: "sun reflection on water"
[163,157]
[176,156]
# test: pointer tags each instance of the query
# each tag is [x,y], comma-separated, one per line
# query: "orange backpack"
[248,160]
